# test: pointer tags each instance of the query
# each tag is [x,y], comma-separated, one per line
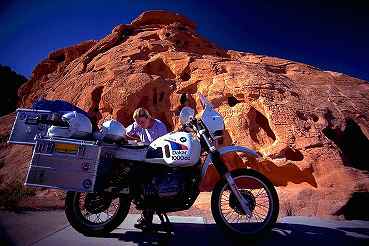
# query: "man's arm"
[162,129]
[132,132]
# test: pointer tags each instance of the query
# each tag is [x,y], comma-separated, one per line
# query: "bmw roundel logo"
[87,183]
[182,139]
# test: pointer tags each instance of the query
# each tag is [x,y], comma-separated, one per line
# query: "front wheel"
[262,200]
[95,214]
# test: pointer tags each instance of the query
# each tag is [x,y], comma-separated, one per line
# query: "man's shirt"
[148,135]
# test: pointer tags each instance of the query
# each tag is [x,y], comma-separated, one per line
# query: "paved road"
[52,228]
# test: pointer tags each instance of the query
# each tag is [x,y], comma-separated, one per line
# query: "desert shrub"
[289,210]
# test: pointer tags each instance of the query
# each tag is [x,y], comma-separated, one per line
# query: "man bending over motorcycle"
[146,129]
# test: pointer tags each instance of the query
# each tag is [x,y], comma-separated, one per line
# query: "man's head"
[142,118]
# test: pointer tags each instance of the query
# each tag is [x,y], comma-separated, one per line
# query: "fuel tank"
[179,149]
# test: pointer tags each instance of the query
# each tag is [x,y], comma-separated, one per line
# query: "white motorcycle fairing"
[178,149]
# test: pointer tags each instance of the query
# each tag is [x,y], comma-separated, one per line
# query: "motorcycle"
[103,179]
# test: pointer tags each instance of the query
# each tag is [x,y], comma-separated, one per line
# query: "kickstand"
[165,222]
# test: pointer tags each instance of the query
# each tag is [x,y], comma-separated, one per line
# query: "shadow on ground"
[282,234]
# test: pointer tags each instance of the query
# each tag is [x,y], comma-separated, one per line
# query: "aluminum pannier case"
[72,165]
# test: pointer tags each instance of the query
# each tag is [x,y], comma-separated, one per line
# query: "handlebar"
[55,119]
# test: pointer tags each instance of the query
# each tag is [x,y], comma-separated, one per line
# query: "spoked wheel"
[262,200]
[95,214]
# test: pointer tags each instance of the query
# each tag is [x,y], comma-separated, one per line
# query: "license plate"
[66,148]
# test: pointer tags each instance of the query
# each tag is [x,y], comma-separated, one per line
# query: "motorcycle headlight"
[186,115]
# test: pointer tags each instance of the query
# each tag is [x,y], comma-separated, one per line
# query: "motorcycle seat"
[133,146]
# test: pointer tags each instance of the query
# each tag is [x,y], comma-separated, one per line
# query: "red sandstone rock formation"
[308,123]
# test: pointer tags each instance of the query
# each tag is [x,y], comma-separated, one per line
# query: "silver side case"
[72,165]
[76,165]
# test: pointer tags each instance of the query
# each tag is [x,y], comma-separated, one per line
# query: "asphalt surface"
[52,228]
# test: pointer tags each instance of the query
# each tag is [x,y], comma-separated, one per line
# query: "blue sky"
[333,35]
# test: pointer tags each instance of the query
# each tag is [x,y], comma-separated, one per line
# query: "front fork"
[223,171]
[244,203]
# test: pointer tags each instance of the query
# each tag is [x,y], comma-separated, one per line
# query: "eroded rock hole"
[292,154]
[93,111]
[182,28]
[232,101]
[161,96]
[220,70]
[185,76]
[179,43]
[295,94]
[183,99]
[259,128]
[158,67]
[351,141]
[328,115]
[314,117]
[301,115]
[356,208]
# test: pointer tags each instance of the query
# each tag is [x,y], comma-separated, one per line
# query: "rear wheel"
[262,200]
[96,214]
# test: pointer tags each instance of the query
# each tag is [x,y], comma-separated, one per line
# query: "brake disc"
[236,206]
